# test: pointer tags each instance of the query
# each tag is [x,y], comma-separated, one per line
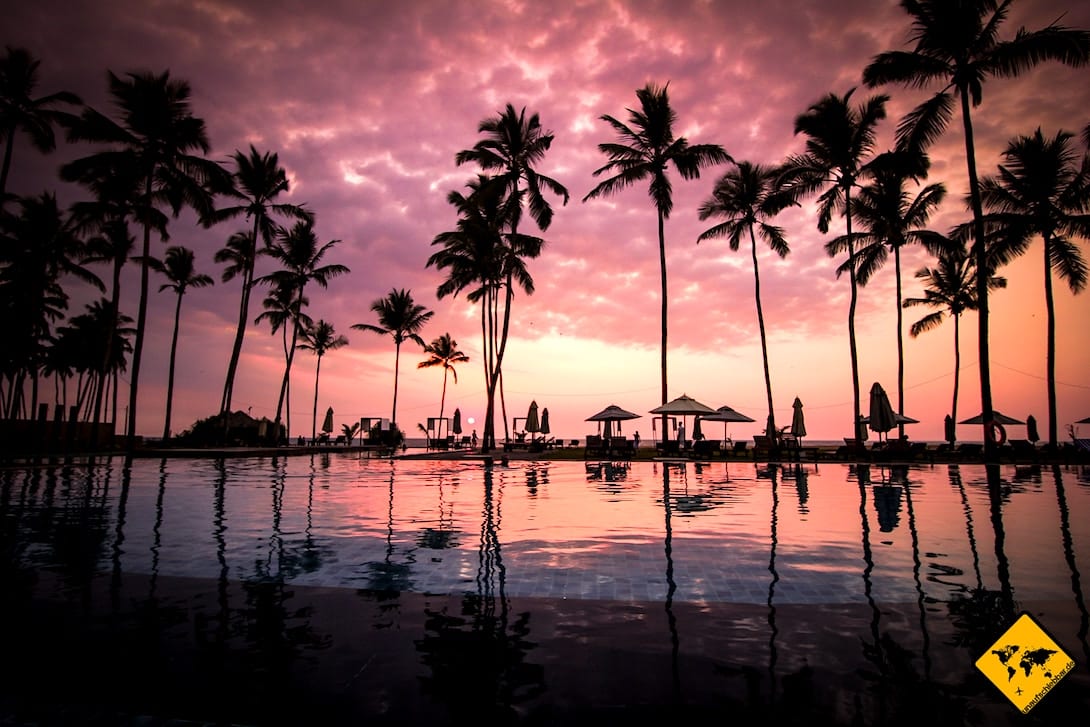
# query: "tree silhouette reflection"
[478,658]
[1069,557]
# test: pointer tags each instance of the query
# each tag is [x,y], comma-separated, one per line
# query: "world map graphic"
[1031,660]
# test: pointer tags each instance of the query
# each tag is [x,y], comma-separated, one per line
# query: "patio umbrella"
[327,425]
[798,421]
[996,416]
[1084,421]
[545,420]
[610,414]
[533,424]
[683,406]
[726,415]
[897,418]
[456,426]
[949,428]
[1031,429]
[882,416]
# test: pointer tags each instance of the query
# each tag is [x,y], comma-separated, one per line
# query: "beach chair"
[705,448]
[969,451]
[741,449]
[1023,450]
[763,446]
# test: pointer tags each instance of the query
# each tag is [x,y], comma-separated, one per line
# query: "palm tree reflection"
[671,585]
[1069,556]
[387,577]
[443,536]
[478,658]
[773,631]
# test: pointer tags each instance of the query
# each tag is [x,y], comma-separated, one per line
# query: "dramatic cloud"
[367,103]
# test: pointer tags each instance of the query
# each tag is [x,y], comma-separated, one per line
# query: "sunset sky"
[367,104]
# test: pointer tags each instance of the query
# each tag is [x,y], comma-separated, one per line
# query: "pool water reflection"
[540,592]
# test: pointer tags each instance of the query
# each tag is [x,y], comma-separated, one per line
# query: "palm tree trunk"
[662,353]
[285,388]
[508,298]
[111,332]
[1050,327]
[957,369]
[9,133]
[761,325]
[487,362]
[980,254]
[900,343]
[856,411]
[314,417]
[397,364]
[240,333]
[443,398]
[141,324]
[170,375]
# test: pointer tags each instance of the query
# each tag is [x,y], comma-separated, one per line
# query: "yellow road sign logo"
[1025,663]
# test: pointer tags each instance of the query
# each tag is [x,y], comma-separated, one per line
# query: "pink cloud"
[367,104]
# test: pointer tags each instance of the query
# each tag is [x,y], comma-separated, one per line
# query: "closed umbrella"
[798,421]
[545,420]
[456,426]
[950,429]
[698,434]
[1031,429]
[327,425]
[882,416]
[533,424]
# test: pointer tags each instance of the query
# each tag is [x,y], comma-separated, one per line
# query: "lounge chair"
[1023,450]
[705,448]
[741,449]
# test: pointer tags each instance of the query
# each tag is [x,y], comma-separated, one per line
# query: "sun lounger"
[705,448]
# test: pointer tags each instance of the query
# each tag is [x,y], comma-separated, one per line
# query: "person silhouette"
[636,440]
[474,438]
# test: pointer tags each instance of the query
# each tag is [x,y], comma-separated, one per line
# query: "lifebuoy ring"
[996,433]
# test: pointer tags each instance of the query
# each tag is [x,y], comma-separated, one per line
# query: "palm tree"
[283,310]
[839,138]
[512,146]
[178,267]
[320,338]
[956,43]
[401,318]
[154,144]
[950,288]
[893,217]
[646,147]
[747,197]
[259,179]
[443,351]
[1043,189]
[300,255]
[38,247]
[106,220]
[19,110]
[81,343]
[480,256]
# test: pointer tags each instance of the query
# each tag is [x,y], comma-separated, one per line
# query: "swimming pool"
[539,592]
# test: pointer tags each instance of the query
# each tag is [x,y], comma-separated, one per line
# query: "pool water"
[331,589]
